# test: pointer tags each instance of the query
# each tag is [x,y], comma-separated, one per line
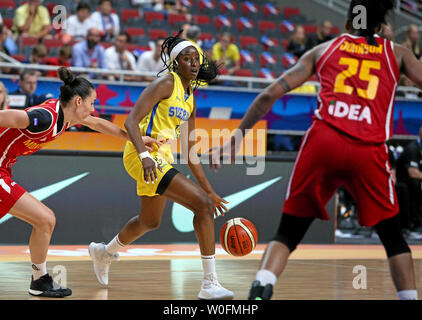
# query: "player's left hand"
[149,142]
[218,204]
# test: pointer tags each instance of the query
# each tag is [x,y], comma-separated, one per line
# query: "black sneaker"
[46,287]
[259,292]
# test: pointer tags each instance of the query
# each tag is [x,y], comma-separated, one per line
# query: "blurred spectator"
[79,23]
[4,97]
[65,54]
[89,53]
[185,28]
[39,52]
[32,20]
[25,96]
[387,32]
[150,61]
[226,53]
[7,45]
[118,58]
[170,6]
[323,34]
[106,21]
[409,174]
[297,41]
[412,40]
[193,35]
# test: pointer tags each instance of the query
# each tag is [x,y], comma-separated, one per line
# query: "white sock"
[38,270]
[114,246]
[407,295]
[208,264]
[266,277]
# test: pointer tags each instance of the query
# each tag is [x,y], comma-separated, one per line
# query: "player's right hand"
[150,170]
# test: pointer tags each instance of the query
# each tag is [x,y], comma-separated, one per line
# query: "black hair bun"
[66,75]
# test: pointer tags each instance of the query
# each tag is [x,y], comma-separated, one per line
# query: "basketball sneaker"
[211,289]
[102,260]
[46,287]
[259,292]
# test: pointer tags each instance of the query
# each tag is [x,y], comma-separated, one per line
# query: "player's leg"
[42,220]
[290,233]
[148,219]
[313,181]
[188,194]
[399,257]
[371,185]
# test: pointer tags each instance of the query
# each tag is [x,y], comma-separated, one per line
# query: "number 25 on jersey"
[365,74]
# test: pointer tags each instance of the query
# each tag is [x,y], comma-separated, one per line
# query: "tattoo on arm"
[284,85]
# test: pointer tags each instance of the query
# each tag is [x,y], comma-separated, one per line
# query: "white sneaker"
[102,260]
[211,289]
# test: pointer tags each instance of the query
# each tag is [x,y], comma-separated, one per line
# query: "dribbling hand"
[218,204]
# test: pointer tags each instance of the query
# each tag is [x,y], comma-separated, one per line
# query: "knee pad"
[292,230]
[391,236]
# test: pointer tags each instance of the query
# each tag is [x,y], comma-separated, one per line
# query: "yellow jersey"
[164,120]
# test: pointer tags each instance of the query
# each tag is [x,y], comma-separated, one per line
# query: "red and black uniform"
[345,146]
[46,124]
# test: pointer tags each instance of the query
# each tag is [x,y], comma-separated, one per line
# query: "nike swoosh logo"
[182,217]
[48,191]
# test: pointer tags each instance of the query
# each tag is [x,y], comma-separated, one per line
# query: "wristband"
[146,154]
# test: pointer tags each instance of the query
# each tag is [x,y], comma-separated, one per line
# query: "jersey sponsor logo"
[179,112]
[32,145]
[361,48]
[354,112]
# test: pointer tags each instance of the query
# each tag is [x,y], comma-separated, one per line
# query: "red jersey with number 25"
[21,142]
[358,86]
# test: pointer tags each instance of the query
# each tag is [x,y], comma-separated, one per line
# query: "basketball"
[238,236]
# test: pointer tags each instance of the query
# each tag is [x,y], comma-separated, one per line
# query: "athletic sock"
[114,246]
[266,277]
[407,295]
[38,270]
[208,264]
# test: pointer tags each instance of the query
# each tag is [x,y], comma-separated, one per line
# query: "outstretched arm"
[409,65]
[104,126]
[290,80]
[263,103]
[14,119]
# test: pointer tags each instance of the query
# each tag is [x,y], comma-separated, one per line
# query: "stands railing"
[250,85]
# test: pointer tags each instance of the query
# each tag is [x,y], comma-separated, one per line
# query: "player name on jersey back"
[358,86]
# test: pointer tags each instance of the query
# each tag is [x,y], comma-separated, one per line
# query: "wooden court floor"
[313,272]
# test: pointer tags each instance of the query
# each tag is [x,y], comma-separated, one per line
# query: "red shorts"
[10,192]
[327,160]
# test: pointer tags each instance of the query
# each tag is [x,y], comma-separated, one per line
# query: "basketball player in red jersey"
[23,132]
[345,145]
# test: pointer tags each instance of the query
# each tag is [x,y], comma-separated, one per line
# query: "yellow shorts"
[133,166]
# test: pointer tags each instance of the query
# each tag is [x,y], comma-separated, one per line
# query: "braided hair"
[208,69]
[377,11]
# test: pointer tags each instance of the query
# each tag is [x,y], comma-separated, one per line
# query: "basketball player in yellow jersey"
[161,109]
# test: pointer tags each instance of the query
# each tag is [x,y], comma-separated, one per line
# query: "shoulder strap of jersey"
[329,50]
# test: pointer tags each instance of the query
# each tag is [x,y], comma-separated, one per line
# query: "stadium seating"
[259,28]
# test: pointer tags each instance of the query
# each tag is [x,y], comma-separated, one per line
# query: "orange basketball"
[238,236]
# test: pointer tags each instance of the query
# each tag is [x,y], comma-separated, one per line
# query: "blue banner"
[291,112]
